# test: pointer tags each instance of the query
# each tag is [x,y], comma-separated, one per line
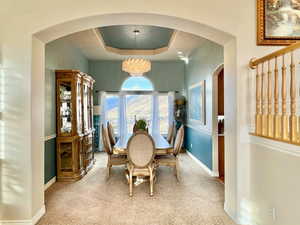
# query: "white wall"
[212,19]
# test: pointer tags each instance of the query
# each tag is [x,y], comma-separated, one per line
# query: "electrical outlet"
[191,145]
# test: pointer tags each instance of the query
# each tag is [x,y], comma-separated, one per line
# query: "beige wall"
[230,23]
[274,183]
[37,124]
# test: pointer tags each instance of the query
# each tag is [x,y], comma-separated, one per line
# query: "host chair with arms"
[111,134]
[171,160]
[141,150]
[112,159]
[171,133]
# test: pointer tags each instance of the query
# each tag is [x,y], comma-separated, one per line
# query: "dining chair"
[112,159]
[134,129]
[141,150]
[171,160]
[171,133]
[111,134]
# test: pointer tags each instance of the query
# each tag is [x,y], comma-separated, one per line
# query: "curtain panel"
[103,116]
[155,127]
[122,122]
[171,99]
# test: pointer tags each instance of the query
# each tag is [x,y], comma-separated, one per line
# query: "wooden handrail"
[277,118]
[254,62]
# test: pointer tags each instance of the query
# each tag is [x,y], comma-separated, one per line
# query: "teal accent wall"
[122,36]
[97,132]
[202,64]
[165,76]
[50,159]
[202,145]
[59,54]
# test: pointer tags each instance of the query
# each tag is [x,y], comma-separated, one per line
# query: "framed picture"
[278,22]
[197,104]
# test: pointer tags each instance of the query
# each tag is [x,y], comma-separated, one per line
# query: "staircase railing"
[277,94]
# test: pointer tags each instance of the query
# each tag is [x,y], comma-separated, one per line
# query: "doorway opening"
[218,123]
[165,21]
[221,144]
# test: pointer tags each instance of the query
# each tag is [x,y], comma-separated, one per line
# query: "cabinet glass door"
[65,95]
[85,106]
[79,108]
[89,109]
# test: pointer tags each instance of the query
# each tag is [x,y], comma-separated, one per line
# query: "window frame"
[130,77]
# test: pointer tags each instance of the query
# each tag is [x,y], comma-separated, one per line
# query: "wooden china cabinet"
[75,133]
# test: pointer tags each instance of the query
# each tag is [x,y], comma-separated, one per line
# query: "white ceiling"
[92,47]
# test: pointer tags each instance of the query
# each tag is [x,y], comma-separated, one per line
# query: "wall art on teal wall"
[197,103]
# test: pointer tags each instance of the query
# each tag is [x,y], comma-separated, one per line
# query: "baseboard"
[238,219]
[38,215]
[49,183]
[206,169]
[15,222]
[33,221]
[231,214]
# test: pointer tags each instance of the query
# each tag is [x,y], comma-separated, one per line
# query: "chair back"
[111,134]
[141,149]
[179,140]
[134,129]
[105,140]
[171,131]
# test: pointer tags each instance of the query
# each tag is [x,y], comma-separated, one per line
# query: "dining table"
[162,146]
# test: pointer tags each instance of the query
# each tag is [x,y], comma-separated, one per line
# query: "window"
[137,84]
[163,114]
[138,107]
[112,107]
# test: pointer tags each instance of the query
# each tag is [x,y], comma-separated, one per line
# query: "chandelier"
[136,66]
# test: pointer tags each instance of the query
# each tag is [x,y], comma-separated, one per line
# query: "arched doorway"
[60,30]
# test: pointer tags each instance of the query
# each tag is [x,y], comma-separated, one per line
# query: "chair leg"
[130,184]
[108,169]
[108,172]
[151,182]
[177,170]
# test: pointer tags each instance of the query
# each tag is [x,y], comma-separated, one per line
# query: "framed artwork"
[197,104]
[278,22]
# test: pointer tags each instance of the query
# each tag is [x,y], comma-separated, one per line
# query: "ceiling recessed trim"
[134,51]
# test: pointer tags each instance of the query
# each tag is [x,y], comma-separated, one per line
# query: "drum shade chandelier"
[136,66]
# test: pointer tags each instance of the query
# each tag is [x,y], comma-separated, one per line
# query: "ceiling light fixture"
[136,66]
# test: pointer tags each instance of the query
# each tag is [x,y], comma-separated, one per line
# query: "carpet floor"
[197,200]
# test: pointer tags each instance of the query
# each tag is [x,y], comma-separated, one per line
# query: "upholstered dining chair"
[111,134]
[140,152]
[171,133]
[112,159]
[171,160]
